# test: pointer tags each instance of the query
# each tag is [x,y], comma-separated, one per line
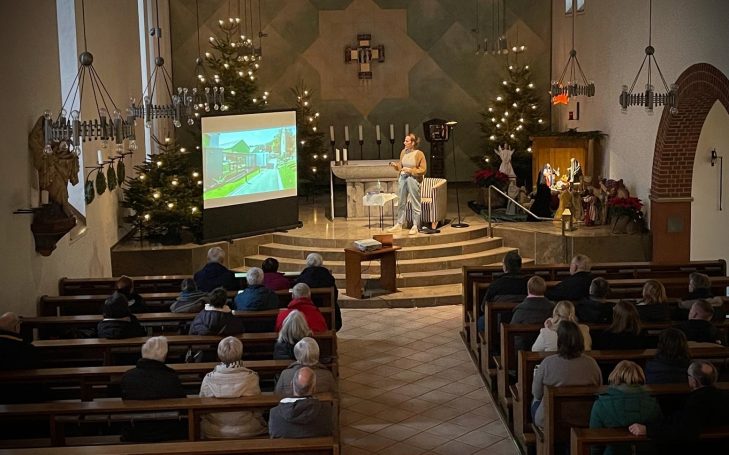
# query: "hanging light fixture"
[649,98]
[562,90]
[71,132]
[477,32]
[205,96]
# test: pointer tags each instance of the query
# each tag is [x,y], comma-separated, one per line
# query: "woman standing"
[412,169]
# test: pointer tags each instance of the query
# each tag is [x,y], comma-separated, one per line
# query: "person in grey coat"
[306,352]
[302,416]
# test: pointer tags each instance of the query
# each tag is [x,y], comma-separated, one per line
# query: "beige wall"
[30,79]
[610,41]
[709,224]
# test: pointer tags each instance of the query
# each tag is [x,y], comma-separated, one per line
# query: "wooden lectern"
[353,268]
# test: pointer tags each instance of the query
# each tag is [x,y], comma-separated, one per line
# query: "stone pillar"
[671,229]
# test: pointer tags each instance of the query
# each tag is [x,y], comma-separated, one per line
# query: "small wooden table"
[353,268]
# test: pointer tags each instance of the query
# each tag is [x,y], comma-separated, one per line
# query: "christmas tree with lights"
[513,116]
[313,158]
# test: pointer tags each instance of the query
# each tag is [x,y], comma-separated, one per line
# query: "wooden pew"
[58,413]
[48,327]
[521,392]
[100,351]
[309,446]
[582,438]
[567,407]
[91,304]
[79,382]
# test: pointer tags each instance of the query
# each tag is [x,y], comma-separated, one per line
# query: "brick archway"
[699,87]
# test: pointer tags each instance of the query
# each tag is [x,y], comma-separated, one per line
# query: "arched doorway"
[699,87]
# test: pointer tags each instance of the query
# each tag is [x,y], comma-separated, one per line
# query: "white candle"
[331,133]
[336,155]
[346,136]
[345,154]
[44,197]
[99,157]
[407,129]
[392,132]
[360,133]
[377,131]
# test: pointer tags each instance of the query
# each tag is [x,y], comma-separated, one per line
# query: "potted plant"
[485,178]
[627,213]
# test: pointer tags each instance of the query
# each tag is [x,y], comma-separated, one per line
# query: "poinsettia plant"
[631,207]
[487,177]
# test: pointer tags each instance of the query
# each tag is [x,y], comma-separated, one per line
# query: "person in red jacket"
[302,301]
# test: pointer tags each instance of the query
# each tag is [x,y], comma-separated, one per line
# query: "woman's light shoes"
[395,228]
[413,230]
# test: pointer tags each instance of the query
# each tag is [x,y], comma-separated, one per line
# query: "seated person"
[272,278]
[16,353]
[626,401]
[294,329]
[230,379]
[624,332]
[302,416]
[215,274]
[306,352]
[151,379]
[596,309]
[315,275]
[255,296]
[125,286]
[569,367]
[699,327]
[577,285]
[705,407]
[671,360]
[118,321]
[216,318]
[190,300]
[654,305]
[547,339]
[301,301]
[700,288]
[509,287]
[535,309]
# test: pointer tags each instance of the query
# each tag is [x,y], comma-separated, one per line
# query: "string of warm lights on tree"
[313,158]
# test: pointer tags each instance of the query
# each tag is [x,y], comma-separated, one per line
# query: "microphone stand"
[460,224]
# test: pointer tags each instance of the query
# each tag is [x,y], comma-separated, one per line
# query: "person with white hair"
[151,379]
[306,352]
[303,415]
[255,297]
[301,301]
[230,379]
[293,329]
[576,286]
[315,275]
[215,274]
[15,352]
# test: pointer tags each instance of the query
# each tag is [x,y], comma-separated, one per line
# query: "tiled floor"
[408,386]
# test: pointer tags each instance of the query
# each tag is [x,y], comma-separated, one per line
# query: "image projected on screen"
[248,158]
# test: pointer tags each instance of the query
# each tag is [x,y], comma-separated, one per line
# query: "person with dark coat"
[699,289]
[217,318]
[272,278]
[705,407]
[509,287]
[118,321]
[541,205]
[255,297]
[151,379]
[293,329]
[596,309]
[215,274]
[577,286]
[671,360]
[191,300]
[699,327]
[125,286]
[16,353]
[534,309]
[315,275]
[626,401]
[654,307]
[302,416]
[624,332]
[301,301]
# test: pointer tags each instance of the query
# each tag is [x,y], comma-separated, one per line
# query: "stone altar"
[362,176]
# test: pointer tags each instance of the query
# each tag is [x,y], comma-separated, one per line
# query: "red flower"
[488,177]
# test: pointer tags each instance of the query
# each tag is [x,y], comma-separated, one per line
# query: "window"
[569,4]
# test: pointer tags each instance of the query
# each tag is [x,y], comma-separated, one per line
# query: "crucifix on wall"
[364,54]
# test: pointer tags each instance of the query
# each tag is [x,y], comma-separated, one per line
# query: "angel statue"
[505,154]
